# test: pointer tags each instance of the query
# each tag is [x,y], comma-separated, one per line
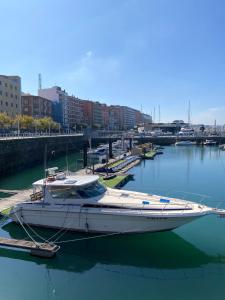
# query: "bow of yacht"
[81,203]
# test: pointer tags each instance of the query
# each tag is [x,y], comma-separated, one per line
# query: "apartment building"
[36,106]
[94,114]
[146,119]
[115,117]
[138,117]
[128,118]
[73,112]
[97,111]
[87,107]
[105,115]
[10,95]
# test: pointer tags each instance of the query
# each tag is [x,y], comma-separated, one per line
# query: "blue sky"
[130,52]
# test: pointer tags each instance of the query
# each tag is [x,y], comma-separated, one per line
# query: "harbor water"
[187,263]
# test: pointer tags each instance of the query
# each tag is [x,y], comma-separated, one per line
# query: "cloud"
[209,116]
[91,69]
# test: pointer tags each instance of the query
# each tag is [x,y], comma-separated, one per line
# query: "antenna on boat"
[45,170]
[45,161]
[159,114]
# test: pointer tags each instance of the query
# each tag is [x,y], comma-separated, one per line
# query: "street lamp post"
[18,127]
[35,125]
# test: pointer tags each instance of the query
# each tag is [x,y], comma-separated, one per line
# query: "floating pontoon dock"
[38,249]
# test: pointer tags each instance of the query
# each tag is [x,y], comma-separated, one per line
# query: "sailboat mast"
[189,113]
[159,114]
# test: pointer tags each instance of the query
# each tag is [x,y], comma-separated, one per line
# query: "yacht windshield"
[62,192]
[68,192]
[92,190]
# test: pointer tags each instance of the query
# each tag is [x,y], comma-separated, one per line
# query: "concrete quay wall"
[18,154]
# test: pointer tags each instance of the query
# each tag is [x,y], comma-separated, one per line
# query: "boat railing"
[188,204]
[160,206]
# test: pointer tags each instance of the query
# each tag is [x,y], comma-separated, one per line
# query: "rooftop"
[68,180]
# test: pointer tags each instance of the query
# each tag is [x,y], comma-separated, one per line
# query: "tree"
[47,124]
[5,120]
[25,122]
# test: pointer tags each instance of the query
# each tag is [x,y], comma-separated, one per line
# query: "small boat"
[185,143]
[82,203]
[158,152]
[210,143]
[108,177]
[158,148]
[222,147]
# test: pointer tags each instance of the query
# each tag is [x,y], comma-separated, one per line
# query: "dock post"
[110,149]
[130,140]
[85,155]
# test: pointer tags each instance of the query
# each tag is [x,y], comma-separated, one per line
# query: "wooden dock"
[149,155]
[16,196]
[38,249]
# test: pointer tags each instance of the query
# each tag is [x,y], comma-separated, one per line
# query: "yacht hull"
[104,222]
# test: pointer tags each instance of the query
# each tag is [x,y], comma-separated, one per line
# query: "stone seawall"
[18,154]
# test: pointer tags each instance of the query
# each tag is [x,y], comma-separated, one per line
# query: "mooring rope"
[36,243]
[89,238]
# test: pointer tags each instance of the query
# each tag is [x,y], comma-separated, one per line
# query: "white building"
[59,102]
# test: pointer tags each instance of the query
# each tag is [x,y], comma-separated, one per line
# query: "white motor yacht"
[210,143]
[185,143]
[81,203]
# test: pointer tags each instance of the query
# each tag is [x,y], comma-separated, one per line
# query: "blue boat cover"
[145,202]
[164,200]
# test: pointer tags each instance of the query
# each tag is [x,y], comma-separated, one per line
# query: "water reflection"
[156,251]
[193,173]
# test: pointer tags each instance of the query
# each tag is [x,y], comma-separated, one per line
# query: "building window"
[6,84]
[6,94]
[11,95]
[11,87]
[1,93]
[15,96]
[15,88]
[0,83]
[6,103]
[16,105]
[11,104]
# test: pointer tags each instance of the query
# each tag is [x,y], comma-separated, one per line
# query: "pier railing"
[7,136]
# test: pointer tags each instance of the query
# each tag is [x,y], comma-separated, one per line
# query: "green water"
[188,263]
